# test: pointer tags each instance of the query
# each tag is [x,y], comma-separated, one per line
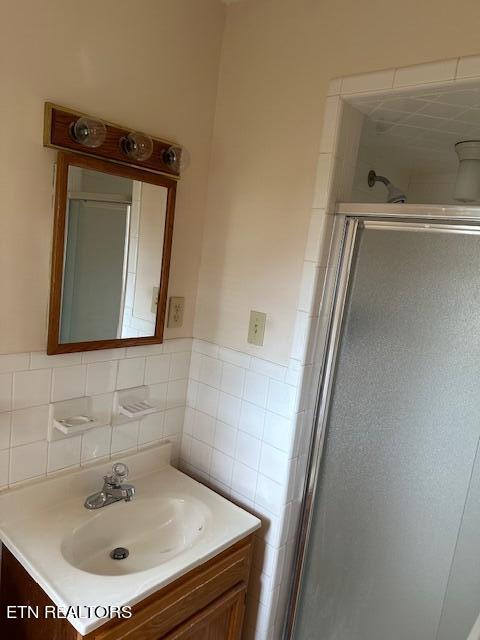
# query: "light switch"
[176,307]
[256,328]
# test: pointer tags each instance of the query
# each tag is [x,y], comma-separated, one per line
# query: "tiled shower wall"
[30,381]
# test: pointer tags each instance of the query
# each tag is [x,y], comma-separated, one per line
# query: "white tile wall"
[468,67]
[125,436]
[29,425]
[28,461]
[68,382]
[239,438]
[150,429]
[40,360]
[334,88]
[174,419]
[14,362]
[131,373]
[425,73]
[63,454]
[229,408]
[101,377]
[256,388]
[329,133]
[5,425]
[31,388]
[96,444]
[28,382]
[157,369]
[4,462]
[225,438]
[323,180]
[375,81]
[252,419]
[176,393]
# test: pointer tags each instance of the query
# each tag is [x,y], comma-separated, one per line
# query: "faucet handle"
[118,475]
[120,471]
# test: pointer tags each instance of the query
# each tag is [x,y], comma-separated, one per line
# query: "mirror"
[113,256]
[112,242]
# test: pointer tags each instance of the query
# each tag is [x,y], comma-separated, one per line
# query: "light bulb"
[177,158]
[137,146]
[88,132]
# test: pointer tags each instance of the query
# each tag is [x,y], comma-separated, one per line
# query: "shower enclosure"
[95,269]
[392,505]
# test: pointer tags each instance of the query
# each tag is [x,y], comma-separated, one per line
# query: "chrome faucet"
[113,489]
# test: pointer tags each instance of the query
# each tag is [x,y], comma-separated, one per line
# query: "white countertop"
[38,522]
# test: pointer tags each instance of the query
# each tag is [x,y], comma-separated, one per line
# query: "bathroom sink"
[172,525]
[152,534]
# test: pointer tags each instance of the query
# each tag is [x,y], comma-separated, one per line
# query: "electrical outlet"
[155,292]
[176,307]
[256,328]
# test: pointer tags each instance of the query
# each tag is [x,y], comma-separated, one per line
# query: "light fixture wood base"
[56,134]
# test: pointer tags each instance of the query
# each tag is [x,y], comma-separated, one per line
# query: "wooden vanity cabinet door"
[205,600]
[222,620]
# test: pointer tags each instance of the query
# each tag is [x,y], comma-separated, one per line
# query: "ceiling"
[422,127]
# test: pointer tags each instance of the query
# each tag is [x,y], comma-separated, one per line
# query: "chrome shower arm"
[373,178]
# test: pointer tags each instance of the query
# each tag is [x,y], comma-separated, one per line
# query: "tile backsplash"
[30,381]
[239,420]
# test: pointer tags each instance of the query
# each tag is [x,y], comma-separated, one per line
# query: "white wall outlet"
[256,328]
[176,307]
[155,293]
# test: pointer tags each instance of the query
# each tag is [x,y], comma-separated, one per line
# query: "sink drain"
[119,553]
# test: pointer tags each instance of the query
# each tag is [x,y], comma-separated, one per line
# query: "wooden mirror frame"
[64,161]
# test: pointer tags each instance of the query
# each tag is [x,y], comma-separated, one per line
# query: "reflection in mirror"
[114,235]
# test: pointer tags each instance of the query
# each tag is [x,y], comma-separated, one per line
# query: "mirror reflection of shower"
[394,194]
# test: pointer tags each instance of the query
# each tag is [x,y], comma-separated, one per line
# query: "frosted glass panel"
[401,443]
[462,601]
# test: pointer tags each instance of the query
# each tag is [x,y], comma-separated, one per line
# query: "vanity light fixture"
[82,133]
[88,132]
[176,157]
[467,186]
[137,146]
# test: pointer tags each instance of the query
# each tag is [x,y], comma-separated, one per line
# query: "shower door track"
[349,218]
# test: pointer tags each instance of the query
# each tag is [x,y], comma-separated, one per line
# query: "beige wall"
[150,64]
[277,59]
[153,64]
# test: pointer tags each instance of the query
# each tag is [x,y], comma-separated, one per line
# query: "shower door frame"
[342,251]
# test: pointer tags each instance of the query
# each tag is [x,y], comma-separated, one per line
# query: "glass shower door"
[395,534]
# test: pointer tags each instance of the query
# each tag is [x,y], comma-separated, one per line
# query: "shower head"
[394,194]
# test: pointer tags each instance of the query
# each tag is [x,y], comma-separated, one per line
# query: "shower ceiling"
[422,127]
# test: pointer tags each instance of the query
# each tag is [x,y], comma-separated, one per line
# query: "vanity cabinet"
[207,603]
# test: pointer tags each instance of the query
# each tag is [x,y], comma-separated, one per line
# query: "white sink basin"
[173,525]
[153,531]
